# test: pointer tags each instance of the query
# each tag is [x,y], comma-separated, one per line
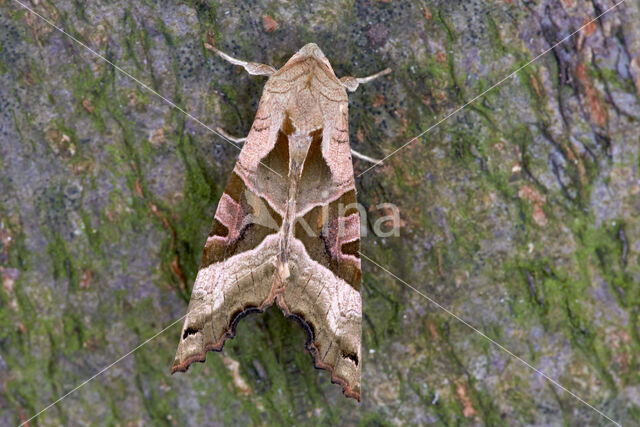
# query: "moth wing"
[323,289]
[238,262]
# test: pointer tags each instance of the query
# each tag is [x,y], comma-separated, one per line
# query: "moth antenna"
[225,135]
[354,153]
[253,68]
[352,83]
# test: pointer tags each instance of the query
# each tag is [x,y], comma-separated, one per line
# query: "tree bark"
[520,213]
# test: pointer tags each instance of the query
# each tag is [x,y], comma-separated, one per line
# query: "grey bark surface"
[521,213]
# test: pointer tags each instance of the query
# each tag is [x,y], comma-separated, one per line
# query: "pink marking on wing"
[342,230]
[230,214]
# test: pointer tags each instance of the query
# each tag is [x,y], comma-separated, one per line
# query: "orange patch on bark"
[433,330]
[589,28]
[467,407]
[86,103]
[269,24]
[531,195]
[536,87]
[164,220]
[538,201]
[157,137]
[400,113]
[85,279]
[538,215]
[138,188]
[379,100]
[175,268]
[597,110]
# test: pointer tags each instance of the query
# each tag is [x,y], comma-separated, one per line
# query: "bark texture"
[521,214]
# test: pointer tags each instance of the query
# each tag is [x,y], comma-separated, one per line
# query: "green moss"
[94,236]
[207,16]
[610,77]
[197,210]
[92,92]
[286,379]
[62,261]
[559,297]
[497,48]
[387,306]
[73,333]
[605,247]
[134,34]
[146,151]
[18,14]
[374,420]
[17,254]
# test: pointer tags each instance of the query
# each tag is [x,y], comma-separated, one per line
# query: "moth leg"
[235,139]
[352,83]
[253,68]
[354,153]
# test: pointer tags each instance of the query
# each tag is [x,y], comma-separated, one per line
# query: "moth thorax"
[283,270]
[298,147]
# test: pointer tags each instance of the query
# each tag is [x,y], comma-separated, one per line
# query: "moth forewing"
[279,232]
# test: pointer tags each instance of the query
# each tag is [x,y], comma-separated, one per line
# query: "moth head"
[311,50]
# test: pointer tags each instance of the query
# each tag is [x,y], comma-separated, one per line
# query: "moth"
[286,229]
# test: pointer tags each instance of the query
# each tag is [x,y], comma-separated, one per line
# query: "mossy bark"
[521,213]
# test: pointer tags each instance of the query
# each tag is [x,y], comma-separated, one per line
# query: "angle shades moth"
[280,233]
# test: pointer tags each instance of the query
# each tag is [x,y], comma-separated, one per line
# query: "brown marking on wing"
[242,221]
[323,209]
[333,240]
